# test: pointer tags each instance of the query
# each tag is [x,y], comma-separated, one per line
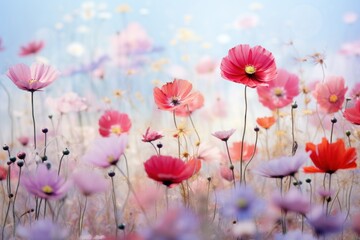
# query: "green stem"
[243,137]
[33,117]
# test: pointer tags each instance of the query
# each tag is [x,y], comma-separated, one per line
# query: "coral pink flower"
[150,136]
[250,66]
[330,95]
[280,92]
[206,65]
[196,103]
[32,78]
[355,92]
[114,122]
[235,151]
[31,48]
[174,94]
[3,173]
[224,135]
[353,114]
[168,170]
[266,122]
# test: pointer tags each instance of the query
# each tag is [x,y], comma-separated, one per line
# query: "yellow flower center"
[111,159]
[249,69]
[242,203]
[47,189]
[278,92]
[116,130]
[333,98]
[31,81]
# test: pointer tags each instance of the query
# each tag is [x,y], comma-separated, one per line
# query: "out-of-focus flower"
[43,229]
[31,48]
[226,173]
[246,22]
[224,135]
[68,102]
[330,95]
[208,153]
[330,157]
[89,182]
[174,94]
[249,66]
[292,201]
[240,203]
[350,48]
[75,49]
[283,166]
[114,122]
[1,45]
[350,17]
[295,235]
[355,92]
[150,136]
[355,223]
[168,170]
[235,151]
[280,92]
[94,66]
[3,173]
[206,65]
[324,224]
[266,122]
[32,78]
[105,152]
[45,183]
[187,109]
[244,229]
[24,140]
[177,223]
[123,8]
[353,114]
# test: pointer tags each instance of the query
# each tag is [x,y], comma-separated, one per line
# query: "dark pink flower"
[280,92]
[353,114]
[114,122]
[31,48]
[250,66]
[224,135]
[150,136]
[330,95]
[32,78]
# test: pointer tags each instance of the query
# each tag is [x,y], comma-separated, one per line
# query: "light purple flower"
[224,135]
[283,166]
[105,152]
[292,201]
[324,224]
[43,229]
[294,235]
[89,182]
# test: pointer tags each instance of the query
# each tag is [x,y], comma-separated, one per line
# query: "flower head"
[89,182]
[150,136]
[266,122]
[114,122]
[330,95]
[330,157]
[323,223]
[32,78]
[196,103]
[31,48]
[68,102]
[105,152]
[3,173]
[45,183]
[174,94]
[355,92]
[235,151]
[168,170]
[280,92]
[250,66]
[224,135]
[353,114]
[43,229]
[292,201]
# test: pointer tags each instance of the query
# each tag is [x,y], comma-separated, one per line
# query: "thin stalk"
[332,131]
[33,117]
[193,125]
[252,156]
[231,164]
[178,137]
[114,204]
[6,216]
[294,144]
[16,191]
[155,148]
[61,159]
[243,137]
[81,220]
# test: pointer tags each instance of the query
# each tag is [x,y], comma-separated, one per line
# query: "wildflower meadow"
[179,120]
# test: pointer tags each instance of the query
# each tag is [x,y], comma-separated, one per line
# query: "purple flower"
[294,235]
[324,224]
[283,166]
[42,230]
[105,152]
[224,135]
[292,201]
[45,183]
[89,182]
[240,203]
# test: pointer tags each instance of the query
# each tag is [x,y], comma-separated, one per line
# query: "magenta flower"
[89,182]
[31,48]
[250,66]
[224,135]
[330,95]
[45,183]
[105,152]
[292,201]
[32,78]
[280,92]
[114,122]
[150,136]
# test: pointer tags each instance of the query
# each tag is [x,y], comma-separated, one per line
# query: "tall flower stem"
[253,154]
[294,143]
[243,137]
[81,219]
[178,137]
[16,191]
[33,117]
[113,196]
[231,164]
[193,125]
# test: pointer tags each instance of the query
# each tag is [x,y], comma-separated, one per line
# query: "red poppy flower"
[330,157]
[114,122]
[174,94]
[250,66]
[266,122]
[168,170]
[353,114]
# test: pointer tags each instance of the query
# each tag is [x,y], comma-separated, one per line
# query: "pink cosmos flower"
[292,201]
[353,114]
[150,136]
[105,152]
[114,122]
[45,183]
[68,102]
[350,48]
[330,95]
[280,92]
[355,92]
[250,66]
[196,103]
[224,135]
[32,78]
[89,182]
[31,48]
[174,94]
[206,65]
